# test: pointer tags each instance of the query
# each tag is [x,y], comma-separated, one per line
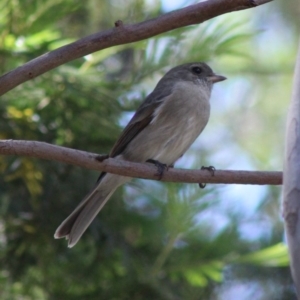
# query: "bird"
[163,127]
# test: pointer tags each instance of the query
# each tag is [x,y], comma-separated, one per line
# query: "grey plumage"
[162,129]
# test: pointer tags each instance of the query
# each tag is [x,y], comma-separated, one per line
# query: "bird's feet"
[101,158]
[160,167]
[212,170]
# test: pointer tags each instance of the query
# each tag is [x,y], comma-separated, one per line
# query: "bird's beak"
[216,78]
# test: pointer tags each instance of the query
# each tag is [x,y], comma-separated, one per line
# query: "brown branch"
[131,169]
[122,34]
[291,187]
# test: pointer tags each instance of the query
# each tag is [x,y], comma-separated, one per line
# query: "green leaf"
[201,275]
[274,256]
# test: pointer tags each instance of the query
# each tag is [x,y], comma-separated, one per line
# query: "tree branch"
[122,34]
[291,187]
[131,169]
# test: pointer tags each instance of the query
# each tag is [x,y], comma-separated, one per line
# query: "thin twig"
[164,254]
[122,34]
[147,171]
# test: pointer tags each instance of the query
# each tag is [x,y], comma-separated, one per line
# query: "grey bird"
[164,126]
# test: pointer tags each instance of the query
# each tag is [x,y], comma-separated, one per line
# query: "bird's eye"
[197,70]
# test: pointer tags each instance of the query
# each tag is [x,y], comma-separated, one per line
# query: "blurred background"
[152,240]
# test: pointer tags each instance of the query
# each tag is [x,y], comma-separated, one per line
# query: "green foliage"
[274,256]
[152,240]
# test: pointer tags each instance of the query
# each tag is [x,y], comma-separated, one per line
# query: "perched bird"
[162,129]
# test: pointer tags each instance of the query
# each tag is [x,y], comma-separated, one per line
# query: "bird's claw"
[160,167]
[101,158]
[212,170]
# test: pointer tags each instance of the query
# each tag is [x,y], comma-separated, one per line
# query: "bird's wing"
[140,120]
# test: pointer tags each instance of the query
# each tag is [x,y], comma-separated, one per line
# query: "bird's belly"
[167,139]
[177,139]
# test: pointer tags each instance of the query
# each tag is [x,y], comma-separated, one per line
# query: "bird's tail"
[78,221]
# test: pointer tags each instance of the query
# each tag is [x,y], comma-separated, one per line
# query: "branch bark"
[147,171]
[291,186]
[122,34]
